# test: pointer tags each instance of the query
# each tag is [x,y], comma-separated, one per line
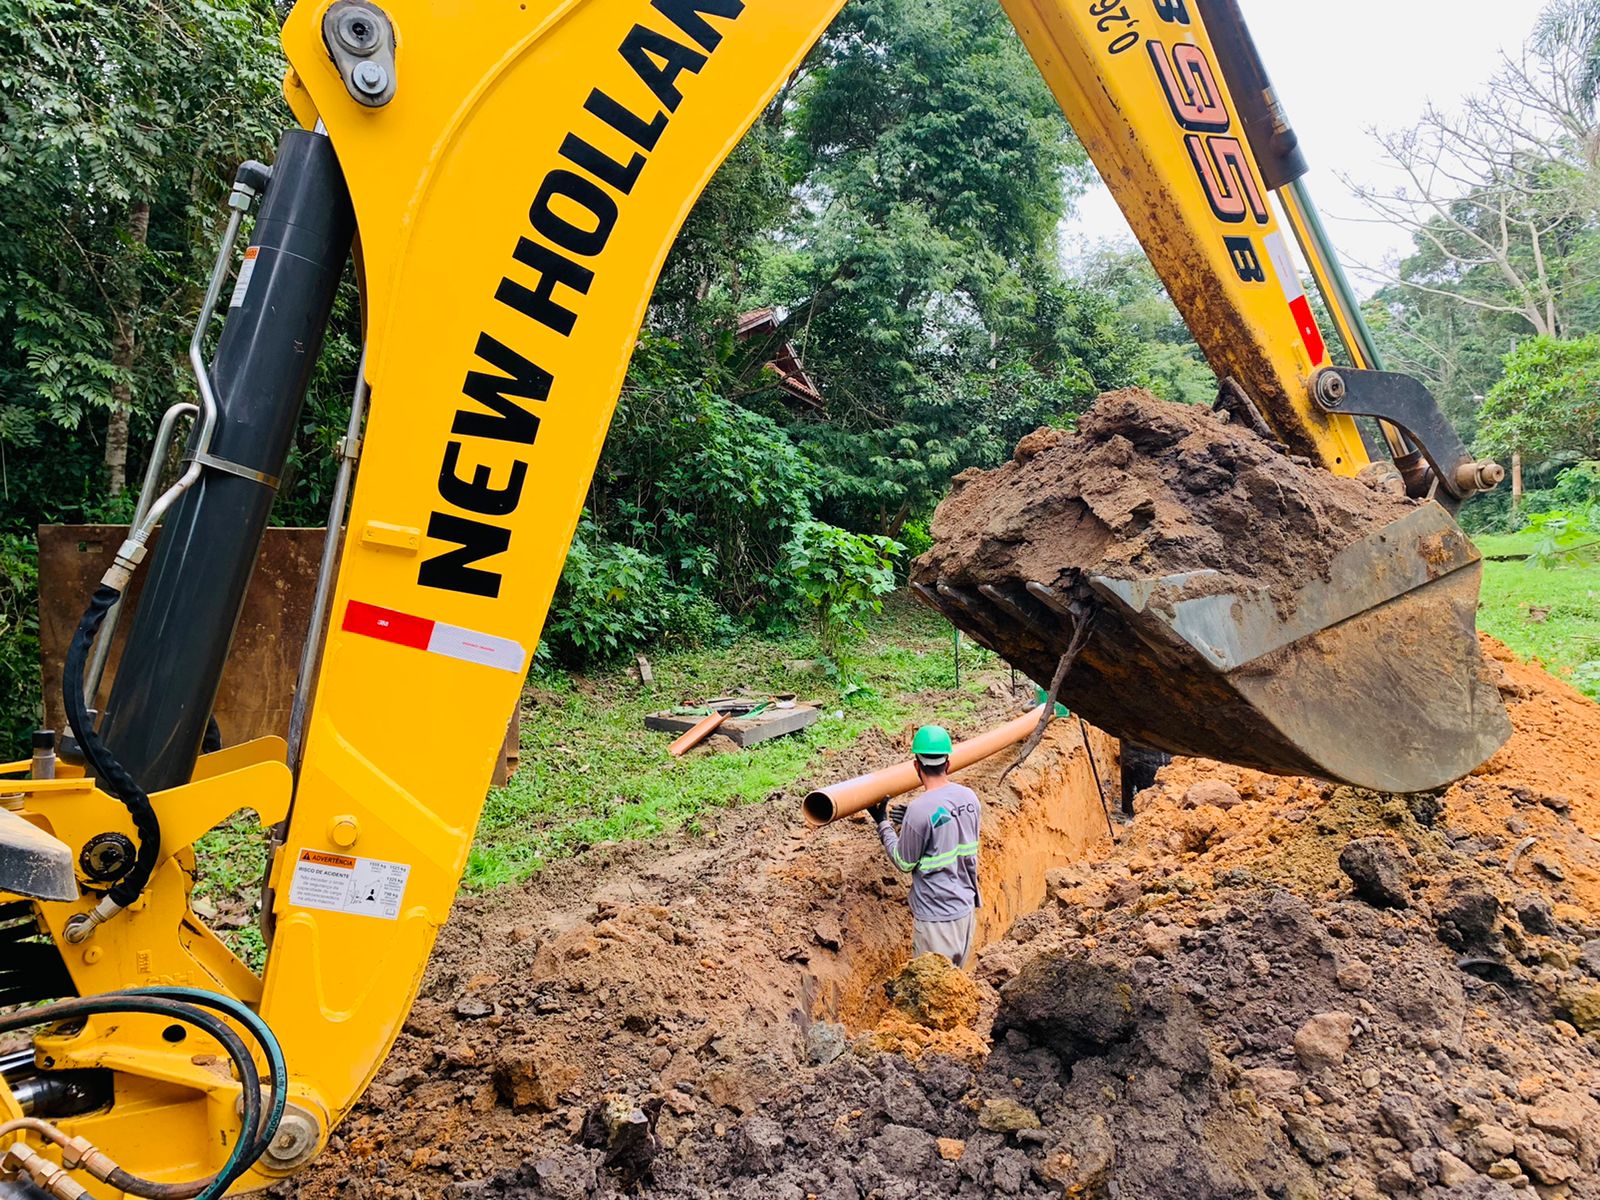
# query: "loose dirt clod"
[931,992]
[1148,488]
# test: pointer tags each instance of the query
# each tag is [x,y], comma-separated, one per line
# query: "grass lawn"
[1549,615]
[590,773]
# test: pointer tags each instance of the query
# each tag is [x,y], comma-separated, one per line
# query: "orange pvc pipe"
[698,734]
[857,795]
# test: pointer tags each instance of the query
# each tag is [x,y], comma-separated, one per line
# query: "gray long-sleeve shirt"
[938,844]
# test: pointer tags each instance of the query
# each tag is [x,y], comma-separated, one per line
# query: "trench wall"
[1047,815]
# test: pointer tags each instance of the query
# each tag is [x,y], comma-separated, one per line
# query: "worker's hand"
[897,814]
[879,812]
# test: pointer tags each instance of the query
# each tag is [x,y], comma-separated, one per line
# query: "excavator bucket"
[34,864]
[1369,674]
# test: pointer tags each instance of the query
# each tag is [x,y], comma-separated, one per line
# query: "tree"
[1161,353]
[1498,196]
[120,126]
[1575,25]
[1548,403]
[929,169]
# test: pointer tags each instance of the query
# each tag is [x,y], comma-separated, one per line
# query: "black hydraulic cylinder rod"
[171,668]
[1272,138]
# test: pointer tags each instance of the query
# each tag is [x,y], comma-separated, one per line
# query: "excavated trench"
[1225,1006]
[1049,814]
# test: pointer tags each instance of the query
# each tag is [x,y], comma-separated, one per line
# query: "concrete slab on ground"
[743,731]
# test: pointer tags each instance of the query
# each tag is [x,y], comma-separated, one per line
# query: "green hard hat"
[932,741]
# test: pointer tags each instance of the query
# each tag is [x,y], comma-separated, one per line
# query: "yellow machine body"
[515,201]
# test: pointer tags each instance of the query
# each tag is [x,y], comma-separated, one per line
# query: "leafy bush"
[917,537]
[842,576]
[1566,539]
[614,600]
[708,487]
[1547,402]
[19,641]
[610,600]
[1577,487]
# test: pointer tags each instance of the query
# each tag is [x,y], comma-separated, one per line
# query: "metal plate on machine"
[258,684]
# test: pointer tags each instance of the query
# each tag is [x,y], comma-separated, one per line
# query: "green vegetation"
[1547,403]
[1551,615]
[590,774]
[230,862]
[843,578]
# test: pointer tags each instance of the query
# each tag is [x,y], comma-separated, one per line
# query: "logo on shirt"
[942,817]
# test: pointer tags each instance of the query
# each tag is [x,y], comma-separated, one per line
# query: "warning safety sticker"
[247,270]
[364,887]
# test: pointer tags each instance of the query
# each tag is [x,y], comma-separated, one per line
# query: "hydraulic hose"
[156,1002]
[277,1065]
[107,769]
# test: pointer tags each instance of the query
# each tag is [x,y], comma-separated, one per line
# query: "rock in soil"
[1379,868]
[932,992]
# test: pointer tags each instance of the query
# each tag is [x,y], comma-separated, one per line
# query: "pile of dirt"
[1210,572]
[1145,488]
[1268,988]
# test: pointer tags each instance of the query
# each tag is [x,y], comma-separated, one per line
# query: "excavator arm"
[516,173]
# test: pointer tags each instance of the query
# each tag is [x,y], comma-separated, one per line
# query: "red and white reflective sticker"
[435,637]
[247,271]
[1295,293]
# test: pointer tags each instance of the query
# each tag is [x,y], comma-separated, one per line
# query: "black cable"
[239,1160]
[1083,728]
[108,771]
[212,742]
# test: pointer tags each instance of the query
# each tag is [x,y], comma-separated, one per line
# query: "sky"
[1399,54]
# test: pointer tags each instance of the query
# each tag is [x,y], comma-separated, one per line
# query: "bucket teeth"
[1049,596]
[1370,674]
[1039,622]
[971,616]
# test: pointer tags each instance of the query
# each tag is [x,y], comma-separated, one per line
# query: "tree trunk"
[1516,481]
[122,353]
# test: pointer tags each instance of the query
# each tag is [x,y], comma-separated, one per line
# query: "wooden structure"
[258,685]
[744,732]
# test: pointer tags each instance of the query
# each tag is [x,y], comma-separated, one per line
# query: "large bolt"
[1331,389]
[357,30]
[343,831]
[1480,476]
[370,78]
[296,1140]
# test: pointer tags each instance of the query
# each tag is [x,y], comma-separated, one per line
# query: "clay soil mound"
[1148,488]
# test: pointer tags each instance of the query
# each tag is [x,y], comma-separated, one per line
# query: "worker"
[938,844]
